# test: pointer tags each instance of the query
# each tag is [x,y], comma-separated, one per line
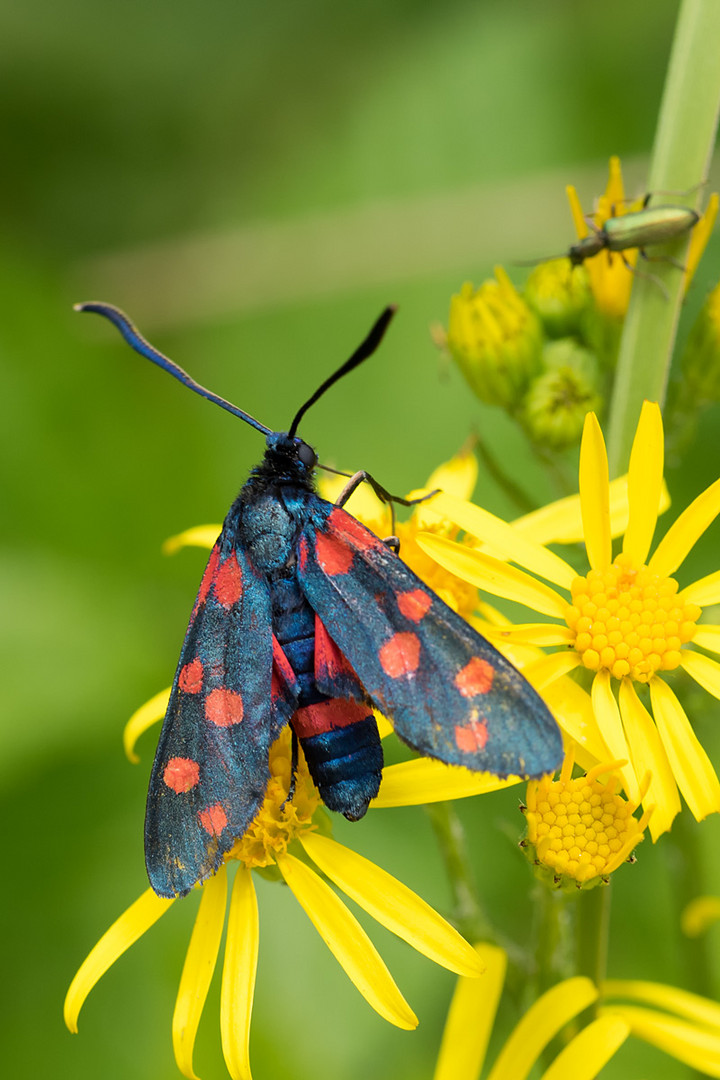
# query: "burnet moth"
[306,617]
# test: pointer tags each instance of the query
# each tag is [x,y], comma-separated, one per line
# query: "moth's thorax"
[268,519]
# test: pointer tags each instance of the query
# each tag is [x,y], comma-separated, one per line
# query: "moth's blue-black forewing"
[449,693]
[211,766]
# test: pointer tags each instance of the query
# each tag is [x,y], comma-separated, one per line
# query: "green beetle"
[637,229]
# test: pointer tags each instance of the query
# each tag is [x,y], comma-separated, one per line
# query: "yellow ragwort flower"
[581,830]
[679,1023]
[683,1025]
[626,620]
[610,279]
[283,824]
[472,1016]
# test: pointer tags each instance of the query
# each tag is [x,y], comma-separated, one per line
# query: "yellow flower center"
[581,828]
[279,819]
[629,620]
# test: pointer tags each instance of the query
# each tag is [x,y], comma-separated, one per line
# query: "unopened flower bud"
[496,340]
[558,399]
[559,294]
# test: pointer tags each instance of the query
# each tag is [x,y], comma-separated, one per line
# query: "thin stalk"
[593,929]
[468,912]
[684,141]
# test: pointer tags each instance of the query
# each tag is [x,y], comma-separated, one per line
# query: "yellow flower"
[580,830]
[681,1024]
[610,279]
[283,825]
[472,1015]
[625,620]
[699,914]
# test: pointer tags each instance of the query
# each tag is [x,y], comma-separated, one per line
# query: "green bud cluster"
[530,352]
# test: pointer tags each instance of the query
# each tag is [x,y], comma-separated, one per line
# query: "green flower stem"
[593,927]
[556,915]
[683,145]
[468,912]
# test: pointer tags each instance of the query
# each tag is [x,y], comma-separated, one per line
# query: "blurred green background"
[253,183]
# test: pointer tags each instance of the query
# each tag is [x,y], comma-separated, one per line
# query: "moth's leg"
[382,493]
[393,542]
[293,768]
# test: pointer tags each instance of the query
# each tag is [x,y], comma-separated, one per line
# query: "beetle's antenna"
[363,351]
[136,341]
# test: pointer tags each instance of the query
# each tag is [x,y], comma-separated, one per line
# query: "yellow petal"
[494,576]
[502,536]
[393,905]
[685,531]
[696,1047]
[457,477]
[238,977]
[123,933]
[594,494]
[541,634]
[581,225]
[588,1052]
[198,969]
[648,755]
[699,238]
[385,728]
[572,708]
[142,719]
[560,522]
[347,941]
[644,483]
[691,766]
[544,671]
[539,1024]
[202,536]
[671,998]
[707,637]
[704,591]
[703,669]
[699,914]
[610,724]
[470,1019]
[423,780]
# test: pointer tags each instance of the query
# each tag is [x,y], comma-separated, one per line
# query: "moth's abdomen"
[339,737]
[342,748]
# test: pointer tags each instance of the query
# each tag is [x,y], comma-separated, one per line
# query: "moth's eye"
[307,455]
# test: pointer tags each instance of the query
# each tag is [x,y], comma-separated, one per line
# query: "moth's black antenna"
[136,341]
[367,348]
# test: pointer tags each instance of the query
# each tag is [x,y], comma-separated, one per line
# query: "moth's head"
[290,452]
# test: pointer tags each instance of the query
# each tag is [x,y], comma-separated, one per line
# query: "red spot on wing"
[181,774]
[344,524]
[228,582]
[191,677]
[223,707]
[333,555]
[207,578]
[213,820]
[475,678]
[330,662]
[302,552]
[400,655]
[282,662]
[327,715]
[471,738]
[413,605]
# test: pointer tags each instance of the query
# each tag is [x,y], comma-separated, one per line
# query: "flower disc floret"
[629,621]
[280,818]
[581,829]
